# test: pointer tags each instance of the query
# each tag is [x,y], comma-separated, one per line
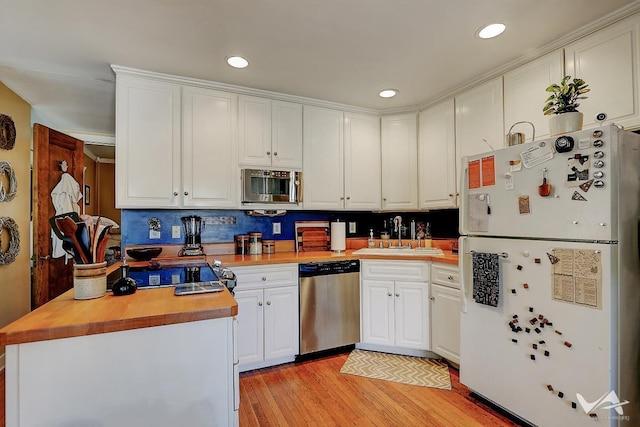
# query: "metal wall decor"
[10,225]
[7,196]
[7,132]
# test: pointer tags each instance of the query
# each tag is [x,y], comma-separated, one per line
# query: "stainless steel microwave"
[271,186]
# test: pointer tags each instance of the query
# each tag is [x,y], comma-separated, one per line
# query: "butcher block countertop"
[65,317]
[293,257]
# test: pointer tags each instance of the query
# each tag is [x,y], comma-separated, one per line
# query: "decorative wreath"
[7,132]
[5,196]
[14,240]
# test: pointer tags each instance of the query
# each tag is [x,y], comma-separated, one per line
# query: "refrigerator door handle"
[463,264]
[462,202]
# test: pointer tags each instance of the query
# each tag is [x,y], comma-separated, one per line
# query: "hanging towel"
[64,196]
[486,278]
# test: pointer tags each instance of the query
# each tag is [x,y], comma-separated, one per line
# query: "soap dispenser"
[372,241]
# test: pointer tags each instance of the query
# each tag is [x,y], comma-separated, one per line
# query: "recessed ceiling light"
[237,61]
[388,93]
[491,30]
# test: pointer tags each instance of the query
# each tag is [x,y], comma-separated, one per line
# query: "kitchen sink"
[400,251]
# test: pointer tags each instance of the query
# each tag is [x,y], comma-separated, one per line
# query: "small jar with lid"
[268,246]
[255,243]
[242,244]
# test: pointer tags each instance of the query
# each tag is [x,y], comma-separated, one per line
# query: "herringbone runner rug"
[403,369]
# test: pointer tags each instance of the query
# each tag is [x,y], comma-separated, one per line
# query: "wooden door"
[51,276]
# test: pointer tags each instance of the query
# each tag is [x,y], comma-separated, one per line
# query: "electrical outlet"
[276,228]
[154,234]
[175,231]
[352,227]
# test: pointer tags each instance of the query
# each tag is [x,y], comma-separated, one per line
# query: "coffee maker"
[193,226]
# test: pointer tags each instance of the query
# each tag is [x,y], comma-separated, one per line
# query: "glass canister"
[255,243]
[268,246]
[242,244]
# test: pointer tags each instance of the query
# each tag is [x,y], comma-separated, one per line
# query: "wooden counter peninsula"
[150,358]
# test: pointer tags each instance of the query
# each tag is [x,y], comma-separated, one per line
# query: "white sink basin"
[400,251]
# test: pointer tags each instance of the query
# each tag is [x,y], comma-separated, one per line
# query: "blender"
[193,226]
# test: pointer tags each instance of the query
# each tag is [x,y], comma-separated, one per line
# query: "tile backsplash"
[223,225]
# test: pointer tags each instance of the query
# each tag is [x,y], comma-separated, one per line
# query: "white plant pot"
[565,123]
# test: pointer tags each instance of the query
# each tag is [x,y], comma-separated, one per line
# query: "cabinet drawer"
[261,276]
[446,275]
[395,270]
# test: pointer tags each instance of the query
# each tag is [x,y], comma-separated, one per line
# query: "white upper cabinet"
[168,136]
[323,159]
[437,157]
[479,120]
[608,62]
[362,162]
[209,141]
[525,94]
[270,133]
[148,143]
[399,148]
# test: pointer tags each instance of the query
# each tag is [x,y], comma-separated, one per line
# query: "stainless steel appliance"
[271,186]
[550,326]
[329,305]
[193,226]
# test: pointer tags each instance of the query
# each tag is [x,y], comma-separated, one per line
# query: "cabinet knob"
[397,294]
[275,153]
[268,302]
[342,198]
[450,194]
[432,298]
[264,278]
[389,294]
[449,277]
[186,193]
[175,193]
[348,198]
[260,303]
[268,153]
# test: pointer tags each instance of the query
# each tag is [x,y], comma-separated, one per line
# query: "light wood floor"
[314,393]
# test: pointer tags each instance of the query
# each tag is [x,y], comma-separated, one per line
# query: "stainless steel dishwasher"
[329,305]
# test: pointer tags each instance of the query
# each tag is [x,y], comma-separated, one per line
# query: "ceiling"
[56,55]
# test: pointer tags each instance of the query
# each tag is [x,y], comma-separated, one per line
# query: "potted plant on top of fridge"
[562,105]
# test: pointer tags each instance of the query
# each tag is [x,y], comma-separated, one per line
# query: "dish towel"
[486,278]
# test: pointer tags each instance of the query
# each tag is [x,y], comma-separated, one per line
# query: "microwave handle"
[297,182]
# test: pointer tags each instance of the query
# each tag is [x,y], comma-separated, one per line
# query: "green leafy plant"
[564,97]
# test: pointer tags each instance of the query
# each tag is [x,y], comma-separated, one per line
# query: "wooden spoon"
[68,228]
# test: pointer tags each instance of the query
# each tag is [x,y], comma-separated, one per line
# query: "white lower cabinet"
[446,302]
[395,304]
[267,299]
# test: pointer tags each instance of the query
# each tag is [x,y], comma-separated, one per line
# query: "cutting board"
[314,239]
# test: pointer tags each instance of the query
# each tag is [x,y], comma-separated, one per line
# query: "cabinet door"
[148,143]
[362,186]
[446,304]
[525,94]
[412,315]
[608,61]
[377,312]
[286,135]
[254,134]
[209,148]
[250,326]
[399,162]
[323,156]
[479,120]
[280,322]
[437,157]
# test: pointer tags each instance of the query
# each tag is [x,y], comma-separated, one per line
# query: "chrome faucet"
[397,223]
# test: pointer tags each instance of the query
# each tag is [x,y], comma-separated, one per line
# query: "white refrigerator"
[550,324]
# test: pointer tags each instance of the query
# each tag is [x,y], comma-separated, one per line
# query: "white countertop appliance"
[550,325]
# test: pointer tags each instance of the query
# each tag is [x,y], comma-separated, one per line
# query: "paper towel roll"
[338,236]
